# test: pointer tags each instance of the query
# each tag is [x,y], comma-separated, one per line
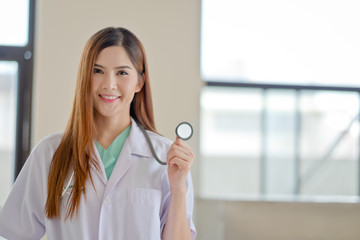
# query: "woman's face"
[114,83]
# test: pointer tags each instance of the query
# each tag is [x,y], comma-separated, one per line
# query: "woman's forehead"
[113,57]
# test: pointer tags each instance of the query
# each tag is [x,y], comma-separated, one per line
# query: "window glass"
[329,143]
[8,94]
[281,41]
[230,141]
[14,22]
[278,143]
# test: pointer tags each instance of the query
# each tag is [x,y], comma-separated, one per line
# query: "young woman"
[99,179]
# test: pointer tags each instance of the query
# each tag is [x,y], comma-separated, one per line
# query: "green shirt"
[110,155]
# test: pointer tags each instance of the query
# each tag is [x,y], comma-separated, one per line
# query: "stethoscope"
[183,131]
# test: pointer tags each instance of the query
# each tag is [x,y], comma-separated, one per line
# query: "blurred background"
[272,89]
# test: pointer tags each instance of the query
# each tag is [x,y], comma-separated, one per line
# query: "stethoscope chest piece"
[184,131]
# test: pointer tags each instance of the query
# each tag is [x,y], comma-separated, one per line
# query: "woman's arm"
[177,226]
[179,159]
[22,216]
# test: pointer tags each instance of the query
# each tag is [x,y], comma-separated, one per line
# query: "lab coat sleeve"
[22,216]
[189,202]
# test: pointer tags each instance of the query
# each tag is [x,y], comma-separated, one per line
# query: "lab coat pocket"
[143,213]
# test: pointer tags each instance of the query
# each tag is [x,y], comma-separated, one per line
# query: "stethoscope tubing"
[150,145]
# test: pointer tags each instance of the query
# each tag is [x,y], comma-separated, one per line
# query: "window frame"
[298,89]
[24,90]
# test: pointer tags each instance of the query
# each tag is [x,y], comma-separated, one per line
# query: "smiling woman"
[99,179]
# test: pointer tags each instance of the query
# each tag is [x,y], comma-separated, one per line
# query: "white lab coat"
[132,204]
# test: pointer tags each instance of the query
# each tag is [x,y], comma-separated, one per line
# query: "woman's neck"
[107,129]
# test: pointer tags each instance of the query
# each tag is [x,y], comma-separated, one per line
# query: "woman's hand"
[179,159]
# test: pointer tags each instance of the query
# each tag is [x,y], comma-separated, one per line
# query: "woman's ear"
[140,83]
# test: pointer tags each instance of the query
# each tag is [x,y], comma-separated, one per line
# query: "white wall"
[252,220]
[170,32]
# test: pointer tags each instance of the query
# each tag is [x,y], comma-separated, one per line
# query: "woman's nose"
[109,82]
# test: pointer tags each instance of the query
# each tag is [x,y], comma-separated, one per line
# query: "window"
[16,47]
[14,23]
[279,41]
[280,112]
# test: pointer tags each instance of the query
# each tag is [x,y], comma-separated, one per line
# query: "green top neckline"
[110,155]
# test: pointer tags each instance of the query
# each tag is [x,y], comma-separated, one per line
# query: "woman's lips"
[109,98]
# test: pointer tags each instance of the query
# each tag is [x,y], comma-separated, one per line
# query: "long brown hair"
[76,151]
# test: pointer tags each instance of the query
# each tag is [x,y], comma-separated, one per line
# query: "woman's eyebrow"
[98,65]
[119,67]
[125,66]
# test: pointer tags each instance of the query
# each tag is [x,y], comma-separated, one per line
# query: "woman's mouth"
[108,98]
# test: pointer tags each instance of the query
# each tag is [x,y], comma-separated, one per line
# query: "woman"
[99,179]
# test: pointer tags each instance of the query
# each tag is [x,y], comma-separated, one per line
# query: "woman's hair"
[76,151]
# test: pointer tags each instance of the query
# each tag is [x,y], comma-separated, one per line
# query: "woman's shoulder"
[42,154]
[48,144]
[160,144]
[159,139]
[52,139]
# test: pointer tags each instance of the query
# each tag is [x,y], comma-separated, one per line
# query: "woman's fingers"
[180,153]
[180,158]
[180,163]
[180,150]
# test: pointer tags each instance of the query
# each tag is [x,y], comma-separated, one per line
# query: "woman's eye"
[122,73]
[97,70]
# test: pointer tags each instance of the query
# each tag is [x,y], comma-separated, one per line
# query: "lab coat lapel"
[101,174]
[122,165]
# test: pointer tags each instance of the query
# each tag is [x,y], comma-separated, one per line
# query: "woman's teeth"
[110,97]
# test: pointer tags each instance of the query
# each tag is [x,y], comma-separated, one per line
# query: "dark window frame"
[24,90]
